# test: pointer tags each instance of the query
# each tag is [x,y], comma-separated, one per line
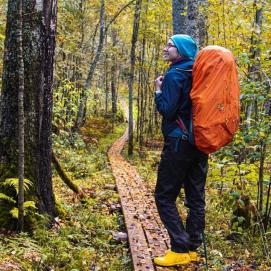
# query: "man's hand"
[158,83]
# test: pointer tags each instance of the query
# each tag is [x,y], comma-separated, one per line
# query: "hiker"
[182,164]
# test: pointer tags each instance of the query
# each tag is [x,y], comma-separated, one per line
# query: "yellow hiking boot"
[193,256]
[172,258]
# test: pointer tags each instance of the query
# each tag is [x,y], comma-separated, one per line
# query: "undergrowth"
[82,235]
[226,249]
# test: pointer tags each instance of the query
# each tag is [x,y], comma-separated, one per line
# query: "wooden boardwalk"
[147,236]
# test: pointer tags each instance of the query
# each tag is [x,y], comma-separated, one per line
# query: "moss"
[60,210]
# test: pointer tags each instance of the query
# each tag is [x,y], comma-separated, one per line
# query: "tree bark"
[179,16]
[255,51]
[114,74]
[21,118]
[187,19]
[202,26]
[192,20]
[39,28]
[131,75]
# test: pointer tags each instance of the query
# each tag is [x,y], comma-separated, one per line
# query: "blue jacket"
[174,99]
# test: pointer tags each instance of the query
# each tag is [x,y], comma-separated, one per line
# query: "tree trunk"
[21,118]
[178,16]
[188,20]
[83,102]
[192,20]
[114,74]
[131,76]
[143,99]
[202,26]
[267,211]
[103,30]
[254,74]
[260,178]
[39,28]
[255,51]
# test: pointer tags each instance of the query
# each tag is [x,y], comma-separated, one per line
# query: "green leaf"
[241,219]
[30,204]
[27,205]
[7,198]
[242,203]
[235,195]
[14,212]
[235,226]
[14,182]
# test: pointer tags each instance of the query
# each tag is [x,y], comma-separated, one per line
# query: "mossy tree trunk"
[39,27]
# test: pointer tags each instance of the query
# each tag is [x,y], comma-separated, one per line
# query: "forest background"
[107,51]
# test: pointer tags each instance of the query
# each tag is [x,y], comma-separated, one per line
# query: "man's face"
[170,52]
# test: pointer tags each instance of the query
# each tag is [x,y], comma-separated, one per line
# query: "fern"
[7,198]
[12,208]
[14,182]
[14,212]
[28,205]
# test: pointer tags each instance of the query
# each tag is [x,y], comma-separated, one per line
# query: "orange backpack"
[215,97]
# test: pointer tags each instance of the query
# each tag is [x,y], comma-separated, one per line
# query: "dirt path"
[147,236]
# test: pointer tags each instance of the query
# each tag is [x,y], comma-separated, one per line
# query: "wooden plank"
[138,244]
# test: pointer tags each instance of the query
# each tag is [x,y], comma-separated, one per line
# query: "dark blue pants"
[182,165]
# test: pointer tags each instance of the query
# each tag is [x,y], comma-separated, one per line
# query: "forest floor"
[90,234]
[227,250]
[86,235]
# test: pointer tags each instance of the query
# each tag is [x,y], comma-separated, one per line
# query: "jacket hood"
[186,46]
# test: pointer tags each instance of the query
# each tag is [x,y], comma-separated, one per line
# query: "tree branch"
[117,14]
[62,174]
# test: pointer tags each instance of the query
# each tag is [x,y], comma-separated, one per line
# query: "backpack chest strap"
[179,69]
